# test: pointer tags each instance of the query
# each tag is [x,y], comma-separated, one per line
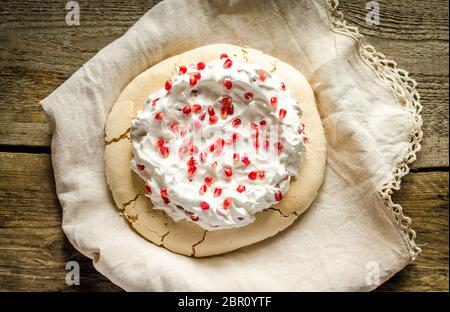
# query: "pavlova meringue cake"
[208,152]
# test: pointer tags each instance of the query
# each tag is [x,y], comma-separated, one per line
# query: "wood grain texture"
[415,35]
[34,250]
[38,52]
[424,198]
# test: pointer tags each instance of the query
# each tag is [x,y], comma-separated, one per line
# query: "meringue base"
[184,237]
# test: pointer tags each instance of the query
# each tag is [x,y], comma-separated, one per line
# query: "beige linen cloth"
[351,239]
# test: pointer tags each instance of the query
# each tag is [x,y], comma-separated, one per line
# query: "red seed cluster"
[164,195]
[182,70]
[168,85]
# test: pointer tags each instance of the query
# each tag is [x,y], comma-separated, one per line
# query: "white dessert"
[219,143]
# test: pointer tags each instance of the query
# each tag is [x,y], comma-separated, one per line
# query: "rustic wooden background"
[38,51]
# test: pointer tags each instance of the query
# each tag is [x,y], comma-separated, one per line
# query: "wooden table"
[38,51]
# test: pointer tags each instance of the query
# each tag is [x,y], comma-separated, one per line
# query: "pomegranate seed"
[168,85]
[182,150]
[279,147]
[227,203]
[236,123]
[148,188]
[164,151]
[209,180]
[305,140]
[175,128]
[203,189]
[201,65]
[228,84]
[248,96]
[263,123]
[203,156]
[214,164]
[191,162]
[197,75]
[236,157]
[261,174]
[224,112]
[204,205]
[223,56]
[220,142]
[274,102]
[228,172]
[192,80]
[246,161]
[197,124]
[187,109]
[226,100]
[192,170]
[182,70]
[231,109]
[240,188]
[234,137]
[211,111]
[164,195]
[282,113]
[219,150]
[252,175]
[202,116]
[278,196]
[213,119]
[196,107]
[217,192]
[212,147]
[256,144]
[283,86]
[262,77]
[228,63]
[159,115]
[194,217]
[160,142]
[154,102]
[140,166]
[193,150]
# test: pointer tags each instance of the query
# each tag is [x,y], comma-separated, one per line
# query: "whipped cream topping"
[218,143]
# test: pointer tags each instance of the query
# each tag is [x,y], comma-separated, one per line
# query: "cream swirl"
[218,143]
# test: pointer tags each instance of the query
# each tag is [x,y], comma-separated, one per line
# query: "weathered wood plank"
[424,198]
[39,51]
[33,249]
[415,35]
